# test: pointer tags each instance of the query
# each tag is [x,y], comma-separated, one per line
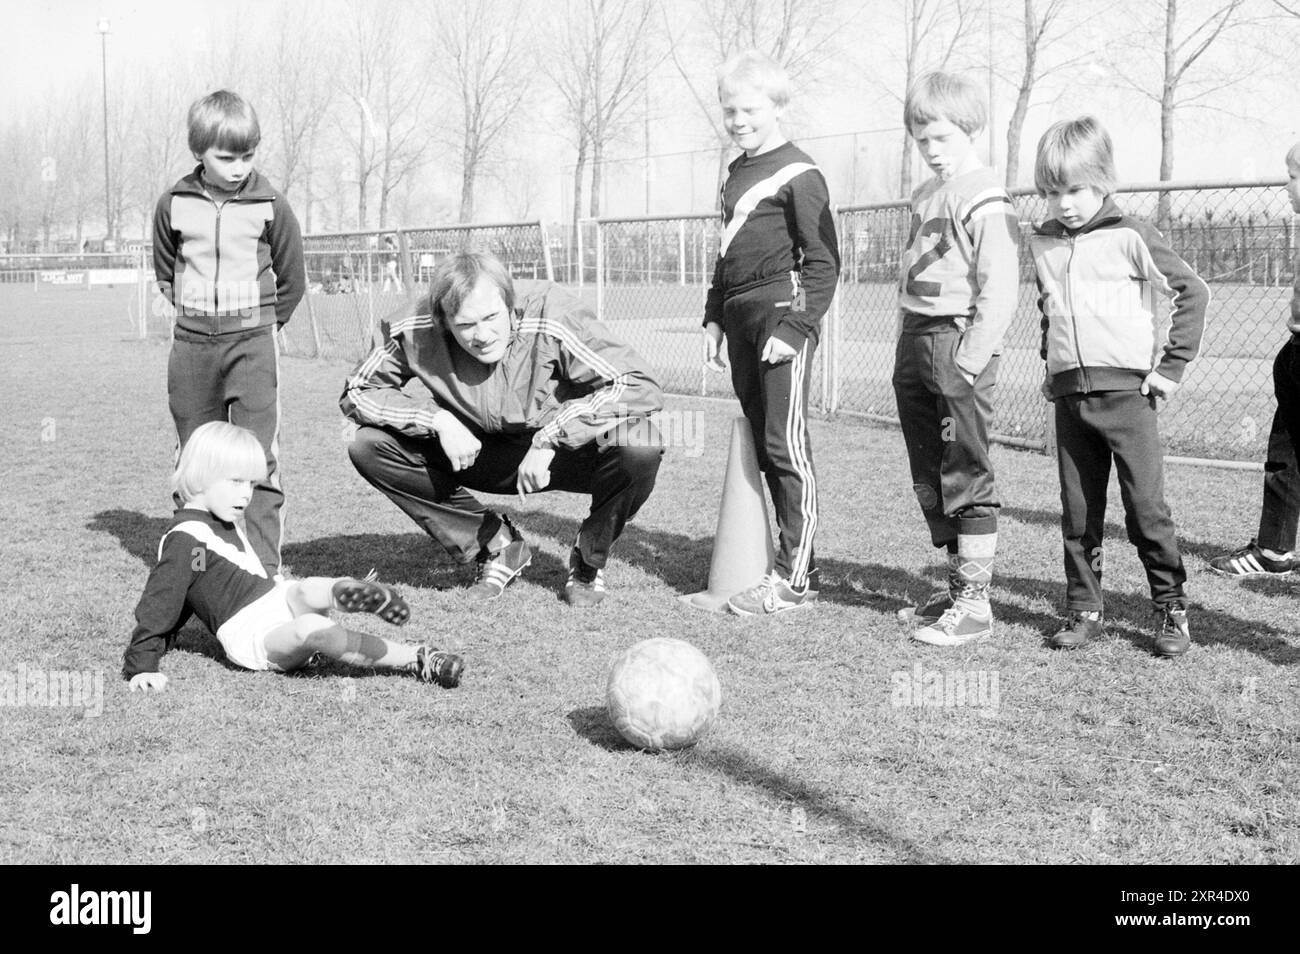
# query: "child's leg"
[251,372]
[920,414]
[1280,513]
[195,394]
[291,644]
[1083,463]
[1132,431]
[966,479]
[318,594]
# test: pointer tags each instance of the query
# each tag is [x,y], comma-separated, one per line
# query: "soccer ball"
[663,694]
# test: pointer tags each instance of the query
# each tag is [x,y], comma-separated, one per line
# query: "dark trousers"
[235,377]
[774,399]
[618,470]
[1281,510]
[945,422]
[1091,430]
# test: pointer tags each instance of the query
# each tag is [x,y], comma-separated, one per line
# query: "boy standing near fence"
[1272,551]
[778,264]
[228,255]
[1103,282]
[958,290]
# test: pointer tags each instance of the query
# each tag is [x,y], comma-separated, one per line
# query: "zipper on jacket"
[1074,321]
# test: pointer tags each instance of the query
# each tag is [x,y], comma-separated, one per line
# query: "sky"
[49,44]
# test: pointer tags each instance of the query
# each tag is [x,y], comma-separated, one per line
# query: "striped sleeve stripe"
[988,202]
[585,353]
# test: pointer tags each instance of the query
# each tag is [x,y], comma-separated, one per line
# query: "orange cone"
[742,545]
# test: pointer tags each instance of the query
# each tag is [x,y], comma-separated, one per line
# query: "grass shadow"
[138,534]
[1208,626]
[594,725]
[742,767]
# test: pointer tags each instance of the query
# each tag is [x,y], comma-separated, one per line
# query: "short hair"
[214,451]
[1075,152]
[947,96]
[454,279]
[1293,157]
[225,120]
[757,70]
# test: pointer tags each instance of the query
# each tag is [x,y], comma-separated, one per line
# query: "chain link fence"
[357,279]
[651,275]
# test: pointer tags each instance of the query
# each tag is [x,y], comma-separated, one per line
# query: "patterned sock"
[974,571]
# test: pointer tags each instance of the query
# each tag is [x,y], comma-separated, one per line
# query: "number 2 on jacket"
[940,227]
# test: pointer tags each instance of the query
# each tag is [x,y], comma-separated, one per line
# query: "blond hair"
[937,96]
[1075,152]
[754,69]
[217,450]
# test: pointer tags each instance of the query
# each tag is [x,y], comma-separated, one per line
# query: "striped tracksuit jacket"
[777,268]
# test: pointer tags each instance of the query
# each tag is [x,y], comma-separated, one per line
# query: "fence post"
[582,263]
[600,271]
[142,293]
[546,251]
[681,251]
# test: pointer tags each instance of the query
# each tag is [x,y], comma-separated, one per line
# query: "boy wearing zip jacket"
[1103,279]
[228,256]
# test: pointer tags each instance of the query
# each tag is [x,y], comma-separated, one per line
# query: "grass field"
[1107,755]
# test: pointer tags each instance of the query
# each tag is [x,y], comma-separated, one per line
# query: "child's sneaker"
[938,603]
[498,570]
[586,584]
[1079,628]
[370,596]
[432,665]
[964,621]
[1251,561]
[1173,638]
[769,596]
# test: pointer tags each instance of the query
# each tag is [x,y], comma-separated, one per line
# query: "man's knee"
[365,447]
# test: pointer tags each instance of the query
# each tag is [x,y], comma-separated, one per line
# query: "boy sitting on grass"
[207,567]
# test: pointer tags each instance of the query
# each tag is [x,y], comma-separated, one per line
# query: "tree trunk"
[1016,125]
[1169,88]
[579,167]
[469,165]
[597,154]
[905,173]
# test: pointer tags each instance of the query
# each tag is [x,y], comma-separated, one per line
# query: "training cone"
[742,545]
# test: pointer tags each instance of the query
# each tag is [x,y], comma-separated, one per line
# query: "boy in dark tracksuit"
[228,256]
[1272,551]
[775,277]
[1103,280]
[957,294]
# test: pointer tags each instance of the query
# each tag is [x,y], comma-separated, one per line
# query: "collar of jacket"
[255,187]
[1108,214]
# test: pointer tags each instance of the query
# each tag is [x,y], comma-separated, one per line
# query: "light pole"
[102,26]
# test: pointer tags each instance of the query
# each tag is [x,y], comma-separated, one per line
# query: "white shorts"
[243,636]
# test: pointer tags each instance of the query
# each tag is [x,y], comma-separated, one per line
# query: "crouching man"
[526,392]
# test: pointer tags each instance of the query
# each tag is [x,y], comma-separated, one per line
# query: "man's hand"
[777,351]
[713,347]
[460,446]
[1046,389]
[1159,385]
[147,681]
[535,470]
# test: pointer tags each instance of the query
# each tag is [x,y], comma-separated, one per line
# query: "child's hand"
[147,681]
[713,347]
[777,351]
[1159,385]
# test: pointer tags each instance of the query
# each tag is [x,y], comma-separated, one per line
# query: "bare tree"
[1184,45]
[606,50]
[299,97]
[1044,23]
[481,46]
